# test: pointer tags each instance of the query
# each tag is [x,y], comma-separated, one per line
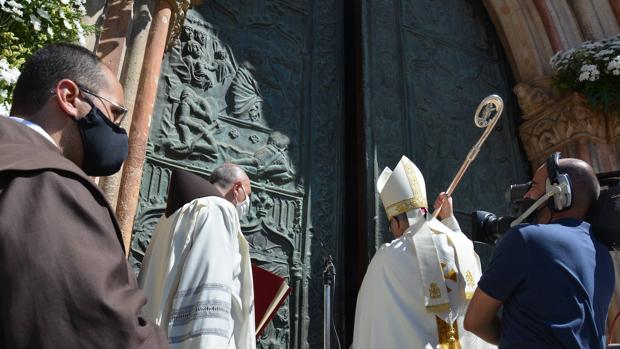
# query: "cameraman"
[554,279]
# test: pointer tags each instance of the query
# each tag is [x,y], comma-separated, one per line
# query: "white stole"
[436,298]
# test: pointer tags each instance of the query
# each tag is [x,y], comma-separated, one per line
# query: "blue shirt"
[555,282]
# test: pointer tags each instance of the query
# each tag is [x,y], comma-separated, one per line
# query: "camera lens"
[487,227]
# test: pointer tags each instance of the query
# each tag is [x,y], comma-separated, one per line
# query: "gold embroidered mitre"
[403,189]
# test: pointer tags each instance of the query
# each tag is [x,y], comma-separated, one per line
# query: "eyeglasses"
[119,111]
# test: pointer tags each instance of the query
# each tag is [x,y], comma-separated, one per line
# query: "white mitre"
[403,189]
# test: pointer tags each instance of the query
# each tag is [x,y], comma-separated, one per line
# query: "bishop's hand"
[444,204]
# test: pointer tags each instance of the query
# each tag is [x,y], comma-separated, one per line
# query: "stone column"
[163,32]
[130,76]
[548,22]
[615,6]
[141,119]
[94,16]
[523,37]
[596,18]
[112,44]
[113,38]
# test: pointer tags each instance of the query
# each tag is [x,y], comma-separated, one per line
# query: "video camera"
[604,215]
[487,227]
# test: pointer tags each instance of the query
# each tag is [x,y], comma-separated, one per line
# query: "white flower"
[4,64]
[67,24]
[589,72]
[14,4]
[5,109]
[8,73]
[61,13]
[80,35]
[614,66]
[65,2]
[4,94]
[602,53]
[14,9]
[36,22]
[50,31]
[43,13]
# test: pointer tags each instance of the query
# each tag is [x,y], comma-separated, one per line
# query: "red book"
[270,291]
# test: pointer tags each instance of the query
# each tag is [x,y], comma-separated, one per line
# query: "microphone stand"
[329,274]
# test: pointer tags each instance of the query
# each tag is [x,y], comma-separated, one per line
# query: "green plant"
[27,25]
[593,69]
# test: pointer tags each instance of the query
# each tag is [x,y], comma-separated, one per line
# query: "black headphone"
[559,184]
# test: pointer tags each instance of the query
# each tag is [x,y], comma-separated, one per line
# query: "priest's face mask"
[241,198]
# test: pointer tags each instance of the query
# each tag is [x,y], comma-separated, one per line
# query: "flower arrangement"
[27,25]
[593,69]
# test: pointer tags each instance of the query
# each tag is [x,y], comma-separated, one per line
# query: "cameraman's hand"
[446,208]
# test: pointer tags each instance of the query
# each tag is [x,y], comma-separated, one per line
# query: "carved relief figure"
[191,60]
[247,101]
[194,119]
[270,162]
[215,54]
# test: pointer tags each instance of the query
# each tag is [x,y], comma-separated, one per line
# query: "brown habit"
[64,280]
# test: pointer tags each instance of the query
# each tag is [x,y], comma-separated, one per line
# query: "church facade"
[314,98]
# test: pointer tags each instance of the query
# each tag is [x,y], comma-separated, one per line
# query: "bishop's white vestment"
[198,279]
[391,312]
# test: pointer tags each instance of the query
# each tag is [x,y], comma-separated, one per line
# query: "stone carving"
[531,99]
[560,122]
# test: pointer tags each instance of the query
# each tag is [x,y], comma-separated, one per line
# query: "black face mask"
[105,143]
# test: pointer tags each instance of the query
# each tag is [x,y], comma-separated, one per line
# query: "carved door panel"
[449,58]
[258,83]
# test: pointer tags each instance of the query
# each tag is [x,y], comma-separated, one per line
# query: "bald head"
[584,183]
[232,182]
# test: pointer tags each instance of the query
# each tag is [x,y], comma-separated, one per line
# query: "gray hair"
[227,174]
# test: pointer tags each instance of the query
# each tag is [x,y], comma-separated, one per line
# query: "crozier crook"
[487,114]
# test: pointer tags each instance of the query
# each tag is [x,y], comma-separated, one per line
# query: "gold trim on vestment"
[401,207]
[419,196]
[448,334]
[438,308]
[434,291]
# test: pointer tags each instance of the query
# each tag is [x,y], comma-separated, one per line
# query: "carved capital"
[550,124]
[179,11]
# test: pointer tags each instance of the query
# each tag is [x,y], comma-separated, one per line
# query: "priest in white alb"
[196,272]
[417,287]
